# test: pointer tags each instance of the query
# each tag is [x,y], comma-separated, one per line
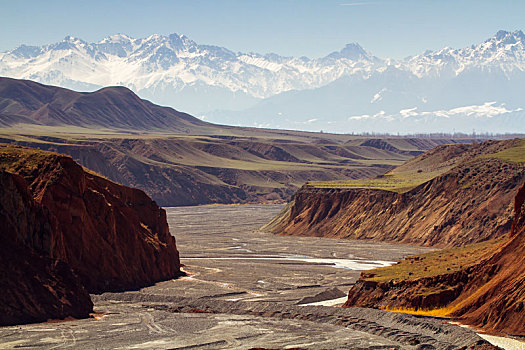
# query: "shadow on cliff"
[81,232]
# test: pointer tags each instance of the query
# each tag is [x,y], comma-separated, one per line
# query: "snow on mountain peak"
[25,51]
[509,37]
[73,40]
[504,51]
[116,38]
[174,70]
[503,38]
[352,51]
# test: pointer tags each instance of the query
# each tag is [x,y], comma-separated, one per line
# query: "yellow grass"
[435,263]
[439,312]
[399,182]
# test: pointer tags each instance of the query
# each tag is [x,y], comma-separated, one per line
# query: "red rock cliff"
[495,298]
[114,237]
[33,288]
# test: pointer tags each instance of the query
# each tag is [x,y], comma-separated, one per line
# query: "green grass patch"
[399,182]
[13,158]
[435,263]
[514,154]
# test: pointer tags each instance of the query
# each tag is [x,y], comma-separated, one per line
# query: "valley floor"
[244,289]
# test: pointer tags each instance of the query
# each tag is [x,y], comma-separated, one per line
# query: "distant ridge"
[28,102]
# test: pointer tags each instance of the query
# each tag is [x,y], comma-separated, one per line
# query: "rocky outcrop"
[114,237]
[33,288]
[489,294]
[453,209]
[420,294]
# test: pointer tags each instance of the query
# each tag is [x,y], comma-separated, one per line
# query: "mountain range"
[477,87]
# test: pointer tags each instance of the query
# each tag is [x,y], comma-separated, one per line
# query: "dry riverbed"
[247,289]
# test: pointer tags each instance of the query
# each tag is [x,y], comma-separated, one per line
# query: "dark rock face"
[113,236]
[60,218]
[34,288]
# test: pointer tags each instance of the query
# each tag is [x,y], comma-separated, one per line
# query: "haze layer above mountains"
[477,87]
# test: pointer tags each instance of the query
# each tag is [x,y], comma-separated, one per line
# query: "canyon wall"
[489,294]
[494,298]
[75,230]
[468,203]
[34,288]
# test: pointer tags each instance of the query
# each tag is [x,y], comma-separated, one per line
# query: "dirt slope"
[495,297]
[483,286]
[464,198]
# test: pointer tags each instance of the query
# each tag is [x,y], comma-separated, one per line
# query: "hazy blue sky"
[387,28]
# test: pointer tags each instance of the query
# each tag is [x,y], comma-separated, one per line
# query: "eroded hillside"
[180,160]
[482,285]
[450,196]
[188,170]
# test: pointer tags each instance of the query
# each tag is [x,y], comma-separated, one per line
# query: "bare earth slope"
[24,101]
[114,237]
[495,298]
[481,285]
[450,196]
[34,288]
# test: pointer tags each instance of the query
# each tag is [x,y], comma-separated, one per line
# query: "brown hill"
[28,102]
[448,196]
[34,288]
[482,285]
[114,237]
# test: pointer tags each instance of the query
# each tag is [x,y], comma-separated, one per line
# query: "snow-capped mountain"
[348,90]
[505,51]
[165,68]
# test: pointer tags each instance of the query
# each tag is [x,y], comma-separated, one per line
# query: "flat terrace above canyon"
[245,288]
[432,164]
[229,166]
